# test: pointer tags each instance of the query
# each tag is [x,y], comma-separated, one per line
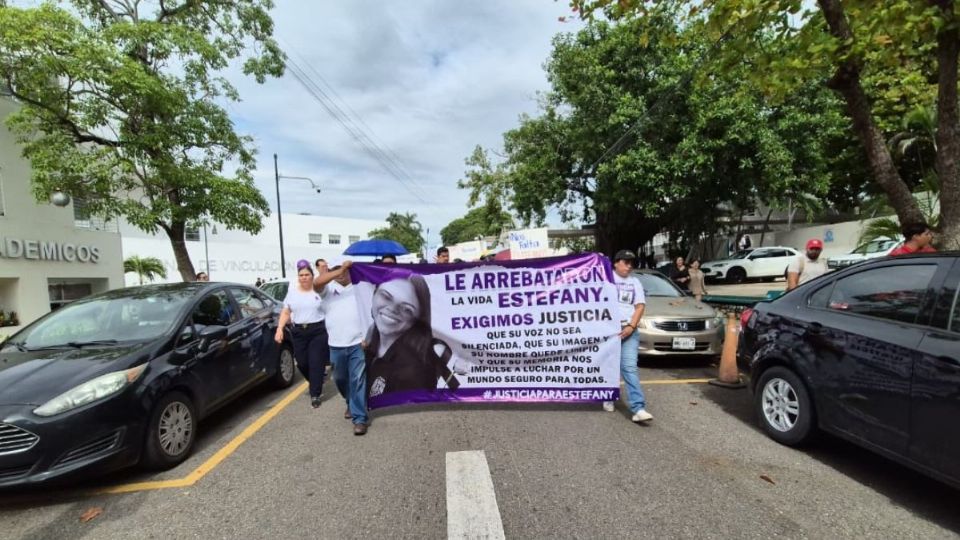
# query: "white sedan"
[870,250]
[767,263]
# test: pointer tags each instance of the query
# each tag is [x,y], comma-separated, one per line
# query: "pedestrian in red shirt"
[918,237]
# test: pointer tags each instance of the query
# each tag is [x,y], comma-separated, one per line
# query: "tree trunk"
[623,229]
[948,142]
[846,82]
[175,231]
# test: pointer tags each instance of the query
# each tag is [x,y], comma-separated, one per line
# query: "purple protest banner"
[532,330]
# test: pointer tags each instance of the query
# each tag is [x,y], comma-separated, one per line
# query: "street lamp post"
[278,176]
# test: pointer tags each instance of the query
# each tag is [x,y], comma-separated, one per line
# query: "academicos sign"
[37,250]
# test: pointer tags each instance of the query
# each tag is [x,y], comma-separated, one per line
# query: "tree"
[486,220]
[402,228]
[145,267]
[120,108]
[881,59]
[626,141]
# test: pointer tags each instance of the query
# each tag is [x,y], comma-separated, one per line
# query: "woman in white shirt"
[303,308]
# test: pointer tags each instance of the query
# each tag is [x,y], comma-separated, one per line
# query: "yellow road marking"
[214,460]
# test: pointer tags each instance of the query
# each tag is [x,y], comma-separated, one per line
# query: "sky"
[427,80]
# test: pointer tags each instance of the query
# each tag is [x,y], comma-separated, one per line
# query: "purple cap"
[303,263]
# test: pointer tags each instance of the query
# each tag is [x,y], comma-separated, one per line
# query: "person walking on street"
[304,308]
[680,274]
[345,328]
[805,267]
[697,287]
[917,238]
[321,266]
[631,302]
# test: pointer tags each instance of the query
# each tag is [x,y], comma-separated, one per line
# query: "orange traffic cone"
[729,376]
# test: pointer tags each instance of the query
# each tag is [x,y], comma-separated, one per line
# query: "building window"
[354,239]
[192,234]
[84,219]
[64,293]
[334,239]
[316,238]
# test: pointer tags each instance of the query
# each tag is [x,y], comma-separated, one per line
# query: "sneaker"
[608,406]
[359,429]
[642,416]
[315,402]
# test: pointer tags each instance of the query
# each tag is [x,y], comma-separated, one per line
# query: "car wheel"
[784,407]
[171,432]
[285,368]
[737,275]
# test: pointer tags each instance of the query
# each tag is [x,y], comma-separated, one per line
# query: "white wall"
[838,238]
[241,257]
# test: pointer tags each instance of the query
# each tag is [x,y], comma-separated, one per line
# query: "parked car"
[767,263]
[124,377]
[277,289]
[870,250]
[674,323]
[871,354]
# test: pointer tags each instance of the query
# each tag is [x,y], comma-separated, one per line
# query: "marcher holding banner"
[631,300]
[303,307]
[529,330]
[346,332]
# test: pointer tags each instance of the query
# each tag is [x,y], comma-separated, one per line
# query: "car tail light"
[745,317]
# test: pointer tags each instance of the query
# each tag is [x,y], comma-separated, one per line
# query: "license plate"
[684,343]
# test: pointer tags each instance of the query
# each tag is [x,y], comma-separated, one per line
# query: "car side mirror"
[210,335]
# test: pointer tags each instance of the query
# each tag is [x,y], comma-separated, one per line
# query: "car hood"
[676,308]
[35,377]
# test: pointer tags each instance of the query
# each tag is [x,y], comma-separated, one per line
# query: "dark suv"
[870,353]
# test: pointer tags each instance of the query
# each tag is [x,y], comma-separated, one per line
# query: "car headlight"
[716,322]
[90,391]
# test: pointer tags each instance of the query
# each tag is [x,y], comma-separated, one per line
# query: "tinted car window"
[820,298]
[761,254]
[892,292]
[657,285]
[250,303]
[215,309]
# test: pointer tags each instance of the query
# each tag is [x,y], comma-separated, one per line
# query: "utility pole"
[283,262]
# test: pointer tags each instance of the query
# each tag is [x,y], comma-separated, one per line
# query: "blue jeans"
[630,372]
[350,376]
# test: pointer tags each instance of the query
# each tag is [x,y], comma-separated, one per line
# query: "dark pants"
[312,353]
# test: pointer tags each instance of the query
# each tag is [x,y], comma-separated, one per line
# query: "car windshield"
[105,321]
[875,246]
[657,285]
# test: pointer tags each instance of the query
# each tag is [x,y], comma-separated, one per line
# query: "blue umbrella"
[376,248]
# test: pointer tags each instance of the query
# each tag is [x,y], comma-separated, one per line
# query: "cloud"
[428,80]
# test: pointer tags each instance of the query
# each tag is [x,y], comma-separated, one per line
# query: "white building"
[241,257]
[47,256]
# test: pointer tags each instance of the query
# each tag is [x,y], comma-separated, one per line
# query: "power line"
[390,164]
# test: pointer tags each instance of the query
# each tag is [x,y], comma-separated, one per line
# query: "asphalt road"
[701,469]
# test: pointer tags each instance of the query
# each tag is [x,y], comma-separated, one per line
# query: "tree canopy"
[121,107]
[627,141]
[883,60]
[402,228]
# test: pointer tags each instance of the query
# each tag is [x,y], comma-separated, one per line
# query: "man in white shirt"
[631,302]
[805,267]
[345,332]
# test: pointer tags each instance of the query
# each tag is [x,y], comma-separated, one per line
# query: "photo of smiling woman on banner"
[402,353]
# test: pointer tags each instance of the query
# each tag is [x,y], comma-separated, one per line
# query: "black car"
[871,354]
[123,377]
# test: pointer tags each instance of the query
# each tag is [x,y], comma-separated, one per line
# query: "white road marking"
[472,510]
